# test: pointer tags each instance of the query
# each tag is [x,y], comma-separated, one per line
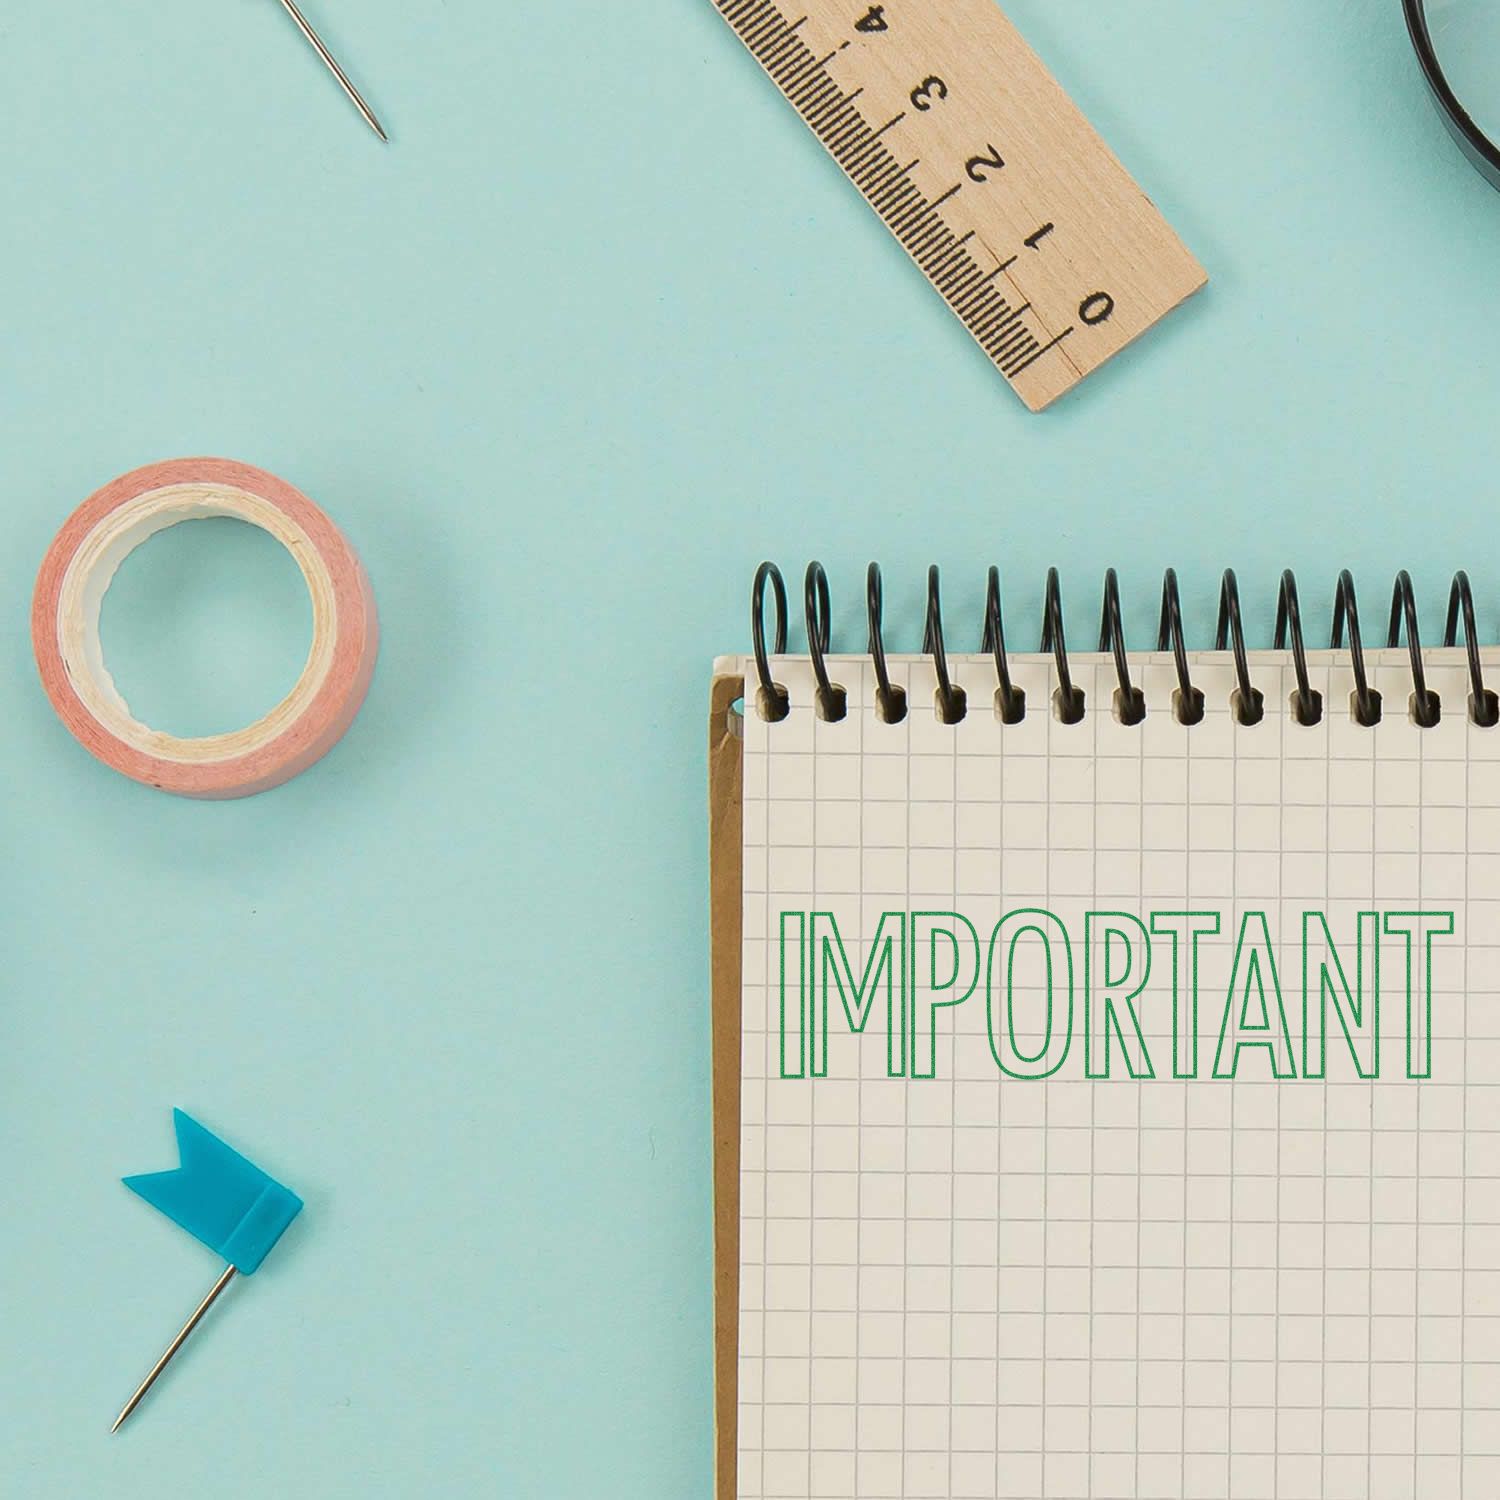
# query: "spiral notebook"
[1108,1108]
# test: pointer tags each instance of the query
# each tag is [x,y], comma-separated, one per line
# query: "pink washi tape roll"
[70,587]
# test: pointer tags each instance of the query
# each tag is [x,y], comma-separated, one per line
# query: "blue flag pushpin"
[223,1200]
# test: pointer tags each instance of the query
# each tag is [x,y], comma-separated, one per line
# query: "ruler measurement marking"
[848,138]
[958,279]
[797,60]
[933,242]
[862,158]
[808,83]
[1023,350]
[996,309]
[931,250]
[784,48]
[961,280]
[838,143]
[974,300]
[964,238]
[815,68]
[1121,261]
[983,283]
[820,106]
[888,187]
[801,82]
[896,192]
[1006,336]
[894,195]
[880,173]
[941,270]
[870,161]
[768,26]
[958,263]
[874,146]
[843,144]
[1041,350]
[1007,341]
[929,244]
[908,213]
[759,28]
[975,294]
[1000,330]
[914,212]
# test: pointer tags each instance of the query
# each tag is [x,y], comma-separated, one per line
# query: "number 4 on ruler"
[957,135]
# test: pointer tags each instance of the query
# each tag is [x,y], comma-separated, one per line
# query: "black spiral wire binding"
[952,701]
[774,701]
[1169,632]
[1010,701]
[889,699]
[1068,698]
[1247,704]
[833,701]
[1130,702]
[1484,706]
[1426,707]
[1307,702]
[1367,706]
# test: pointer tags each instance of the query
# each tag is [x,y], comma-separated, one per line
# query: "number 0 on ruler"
[1021,217]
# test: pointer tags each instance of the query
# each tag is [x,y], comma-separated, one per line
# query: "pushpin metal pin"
[226,1202]
[331,62]
[140,1394]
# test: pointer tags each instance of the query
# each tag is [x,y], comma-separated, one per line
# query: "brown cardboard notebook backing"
[725,812]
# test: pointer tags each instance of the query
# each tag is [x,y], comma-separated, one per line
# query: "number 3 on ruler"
[927,91]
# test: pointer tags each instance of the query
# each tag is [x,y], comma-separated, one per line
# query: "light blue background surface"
[600,329]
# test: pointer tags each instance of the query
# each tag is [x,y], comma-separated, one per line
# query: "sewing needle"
[174,1346]
[317,44]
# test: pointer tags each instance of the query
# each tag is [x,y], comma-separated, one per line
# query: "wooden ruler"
[940,114]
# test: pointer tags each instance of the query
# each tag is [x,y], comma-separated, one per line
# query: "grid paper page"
[1267,1284]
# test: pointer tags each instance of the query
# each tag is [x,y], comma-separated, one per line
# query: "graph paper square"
[1184,1286]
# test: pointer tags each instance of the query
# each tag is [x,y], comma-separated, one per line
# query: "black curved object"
[1250,705]
[1484,706]
[1472,141]
[1189,705]
[1132,702]
[1367,706]
[774,702]
[891,700]
[1426,706]
[832,699]
[1307,703]
[1169,632]
[1010,701]
[952,701]
[1070,700]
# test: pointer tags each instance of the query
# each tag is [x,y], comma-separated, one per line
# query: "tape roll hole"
[206,626]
